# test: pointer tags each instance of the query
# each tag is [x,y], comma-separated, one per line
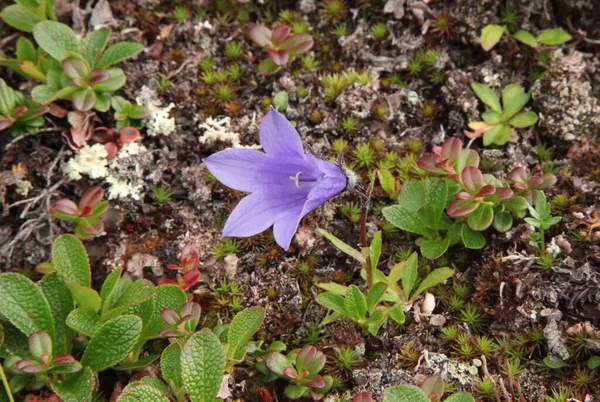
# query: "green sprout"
[181,14]
[233,50]
[341,30]
[161,194]
[364,155]
[226,247]
[379,31]
[349,124]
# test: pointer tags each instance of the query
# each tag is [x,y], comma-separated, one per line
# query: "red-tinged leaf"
[305,356]
[279,57]
[504,193]
[315,381]
[427,162]
[86,211]
[91,226]
[65,358]
[534,182]
[363,396]
[463,195]
[91,197]
[111,150]
[169,333]
[472,180]
[460,208]
[29,366]
[190,279]
[267,67]
[260,34]
[290,372]
[174,267]
[167,281]
[486,191]
[518,175]
[19,110]
[280,34]
[192,309]
[298,44]
[75,69]
[5,123]
[104,135]
[169,316]
[64,206]
[189,257]
[548,180]
[451,149]
[129,134]
[97,76]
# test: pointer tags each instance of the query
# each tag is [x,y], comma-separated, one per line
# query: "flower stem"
[6,385]
[364,244]
[542,242]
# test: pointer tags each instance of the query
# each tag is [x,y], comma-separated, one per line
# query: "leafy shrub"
[17,113]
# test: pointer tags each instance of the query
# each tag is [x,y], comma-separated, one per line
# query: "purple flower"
[285,183]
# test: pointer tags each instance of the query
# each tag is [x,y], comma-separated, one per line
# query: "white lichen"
[220,131]
[23,187]
[125,173]
[90,161]
[159,122]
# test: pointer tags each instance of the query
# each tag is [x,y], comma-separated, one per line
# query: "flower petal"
[259,210]
[279,137]
[333,182]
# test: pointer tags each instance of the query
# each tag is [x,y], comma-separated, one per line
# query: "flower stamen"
[296,179]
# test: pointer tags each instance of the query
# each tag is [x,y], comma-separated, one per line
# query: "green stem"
[542,242]
[6,385]
[364,244]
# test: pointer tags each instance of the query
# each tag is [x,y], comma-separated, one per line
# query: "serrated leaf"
[526,37]
[404,393]
[202,365]
[409,274]
[170,364]
[61,304]
[355,303]
[71,261]
[433,249]
[84,321]
[85,297]
[491,35]
[19,17]
[55,39]
[242,327]
[77,387]
[136,392]
[119,52]
[471,239]
[553,37]
[24,305]
[343,247]
[434,278]
[112,342]
[405,219]
[93,45]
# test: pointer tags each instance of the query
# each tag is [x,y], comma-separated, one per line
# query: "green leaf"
[343,247]
[460,397]
[61,303]
[487,96]
[93,45]
[405,219]
[593,362]
[334,288]
[77,387]
[397,314]
[295,391]
[525,119]
[374,295]
[170,364]
[491,35]
[202,365]
[503,221]
[281,101]
[112,342]
[433,249]
[404,393]
[19,17]
[409,274]
[526,37]
[553,37]
[436,195]
[136,392]
[355,303]
[554,365]
[138,364]
[71,261]
[375,249]
[84,321]
[491,117]
[514,99]
[119,52]
[471,239]
[86,298]
[165,296]
[412,196]
[116,79]
[481,218]
[14,342]
[156,383]
[55,39]
[242,327]
[24,305]
[333,302]
[267,67]
[108,288]
[436,277]
[26,50]
[516,203]
[140,291]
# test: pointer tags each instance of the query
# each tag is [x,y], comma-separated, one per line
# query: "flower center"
[296,179]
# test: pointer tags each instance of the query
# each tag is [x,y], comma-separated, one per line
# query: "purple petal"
[279,137]
[332,183]
[258,211]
